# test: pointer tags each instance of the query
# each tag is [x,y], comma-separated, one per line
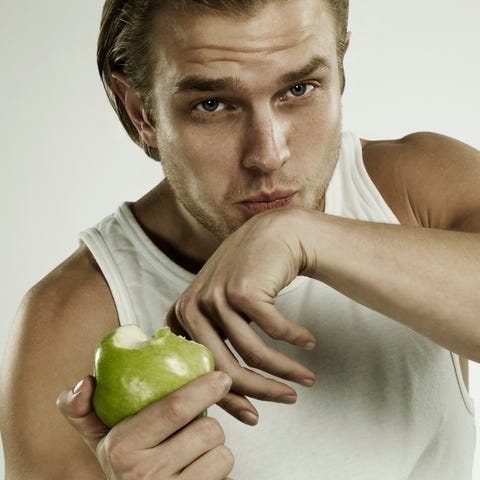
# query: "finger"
[236,405]
[252,349]
[239,407]
[266,315]
[76,406]
[172,321]
[248,344]
[214,465]
[187,445]
[159,420]
[256,354]
[245,382]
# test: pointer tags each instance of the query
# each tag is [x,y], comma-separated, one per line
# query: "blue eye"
[299,90]
[211,105]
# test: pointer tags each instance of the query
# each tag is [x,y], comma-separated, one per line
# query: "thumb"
[76,406]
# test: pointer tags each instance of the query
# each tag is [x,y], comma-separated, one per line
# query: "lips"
[263,202]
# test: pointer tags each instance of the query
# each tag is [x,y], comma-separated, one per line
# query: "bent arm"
[425,278]
[424,273]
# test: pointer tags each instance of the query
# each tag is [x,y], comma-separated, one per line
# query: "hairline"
[120,48]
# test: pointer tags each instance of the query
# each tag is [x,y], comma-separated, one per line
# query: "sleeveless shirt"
[388,403]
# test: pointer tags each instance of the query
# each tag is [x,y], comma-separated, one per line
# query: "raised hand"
[237,288]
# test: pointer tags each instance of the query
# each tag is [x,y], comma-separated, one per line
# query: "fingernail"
[248,417]
[307,382]
[225,379]
[309,346]
[78,387]
[289,399]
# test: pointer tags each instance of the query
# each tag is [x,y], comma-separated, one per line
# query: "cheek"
[316,128]
[203,160]
[210,150]
[330,111]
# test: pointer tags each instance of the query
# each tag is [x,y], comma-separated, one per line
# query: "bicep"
[51,348]
[443,182]
[38,442]
[428,180]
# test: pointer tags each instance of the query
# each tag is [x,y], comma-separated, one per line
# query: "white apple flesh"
[133,371]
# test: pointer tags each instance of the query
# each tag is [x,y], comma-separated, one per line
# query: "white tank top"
[388,403]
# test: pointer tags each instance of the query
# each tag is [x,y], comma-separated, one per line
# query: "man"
[241,103]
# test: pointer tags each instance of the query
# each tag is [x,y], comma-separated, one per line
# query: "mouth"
[267,201]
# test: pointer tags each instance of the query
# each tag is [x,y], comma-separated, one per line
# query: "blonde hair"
[124,46]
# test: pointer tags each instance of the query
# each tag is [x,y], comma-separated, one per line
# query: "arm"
[423,273]
[52,346]
[424,278]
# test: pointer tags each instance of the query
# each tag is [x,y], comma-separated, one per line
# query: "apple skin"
[132,371]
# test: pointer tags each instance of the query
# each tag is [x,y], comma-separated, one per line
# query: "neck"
[173,230]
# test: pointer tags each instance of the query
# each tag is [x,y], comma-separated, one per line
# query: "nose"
[266,147]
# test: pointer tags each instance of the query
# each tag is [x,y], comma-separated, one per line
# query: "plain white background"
[66,162]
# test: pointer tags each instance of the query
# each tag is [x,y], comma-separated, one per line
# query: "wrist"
[319,238]
[303,229]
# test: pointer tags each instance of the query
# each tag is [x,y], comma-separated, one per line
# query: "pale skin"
[423,273]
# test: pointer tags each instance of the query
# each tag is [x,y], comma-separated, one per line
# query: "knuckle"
[277,332]
[211,300]
[218,389]
[239,294]
[139,473]
[212,430]
[253,358]
[162,463]
[112,451]
[207,304]
[175,411]
[180,308]
[225,456]
[186,311]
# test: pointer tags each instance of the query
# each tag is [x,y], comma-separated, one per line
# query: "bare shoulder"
[51,347]
[428,179]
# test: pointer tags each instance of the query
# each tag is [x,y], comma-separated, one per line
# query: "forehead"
[283,34]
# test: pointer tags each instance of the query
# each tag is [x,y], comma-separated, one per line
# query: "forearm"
[426,279]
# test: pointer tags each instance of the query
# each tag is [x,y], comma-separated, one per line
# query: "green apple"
[133,371]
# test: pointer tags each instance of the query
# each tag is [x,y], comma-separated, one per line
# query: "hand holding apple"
[160,442]
[132,371]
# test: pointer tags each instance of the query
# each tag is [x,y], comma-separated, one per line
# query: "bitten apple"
[133,371]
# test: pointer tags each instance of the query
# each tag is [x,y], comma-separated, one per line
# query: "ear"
[347,42]
[134,106]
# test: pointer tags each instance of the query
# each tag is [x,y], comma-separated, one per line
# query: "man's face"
[248,110]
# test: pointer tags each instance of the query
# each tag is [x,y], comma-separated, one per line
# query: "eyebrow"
[197,83]
[313,65]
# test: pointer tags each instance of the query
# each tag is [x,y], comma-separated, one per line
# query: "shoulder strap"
[100,251]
